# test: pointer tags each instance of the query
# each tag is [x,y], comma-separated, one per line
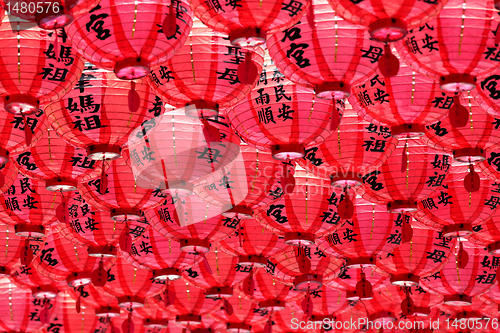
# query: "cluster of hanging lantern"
[243,166]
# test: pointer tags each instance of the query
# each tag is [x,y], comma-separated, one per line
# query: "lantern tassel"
[62,212]
[472,182]
[26,253]
[247,71]
[28,133]
[497,32]
[134,99]
[169,25]
[388,64]
[287,179]
[462,257]
[458,114]
[335,120]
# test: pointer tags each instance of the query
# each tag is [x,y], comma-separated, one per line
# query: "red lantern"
[239,315]
[357,149]
[124,37]
[460,285]
[41,72]
[218,273]
[325,302]
[201,75]
[309,212]
[249,25]
[486,95]
[61,260]
[152,251]
[380,311]
[456,48]
[104,304]
[189,303]
[304,268]
[422,301]
[325,52]
[411,263]
[191,222]
[59,164]
[97,114]
[91,228]
[486,233]
[50,16]
[253,181]
[29,206]
[456,209]
[131,285]
[387,22]
[20,306]
[153,317]
[15,248]
[28,277]
[491,165]
[470,143]
[123,198]
[349,279]
[370,233]
[413,172]
[252,244]
[180,151]
[16,137]
[410,101]
[271,294]
[282,117]
[292,317]
[70,313]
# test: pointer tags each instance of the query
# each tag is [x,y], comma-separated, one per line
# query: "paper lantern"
[270,294]
[304,268]
[177,153]
[410,102]
[164,257]
[455,209]
[460,285]
[25,311]
[59,164]
[372,232]
[457,47]
[203,74]
[413,172]
[131,285]
[104,305]
[325,52]
[97,115]
[486,234]
[249,25]
[191,222]
[15,135]
[153,317]
[28,277]
[325,302]
[218,273]
[130,38]
[424,256]
[252,181]
[309,212]
[252,244]
[421,299]
[123,198]
[13,247]
[50,16]
[90,228]
[71,317]
[37,67]
[349,278]
[381,311]
[470,143]
[388,22]
[282,117]
[190,303]
[61,260]
[359,148]
[242,316]
[28,206]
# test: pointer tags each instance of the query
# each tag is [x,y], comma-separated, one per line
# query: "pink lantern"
[124,37]
[283,117]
